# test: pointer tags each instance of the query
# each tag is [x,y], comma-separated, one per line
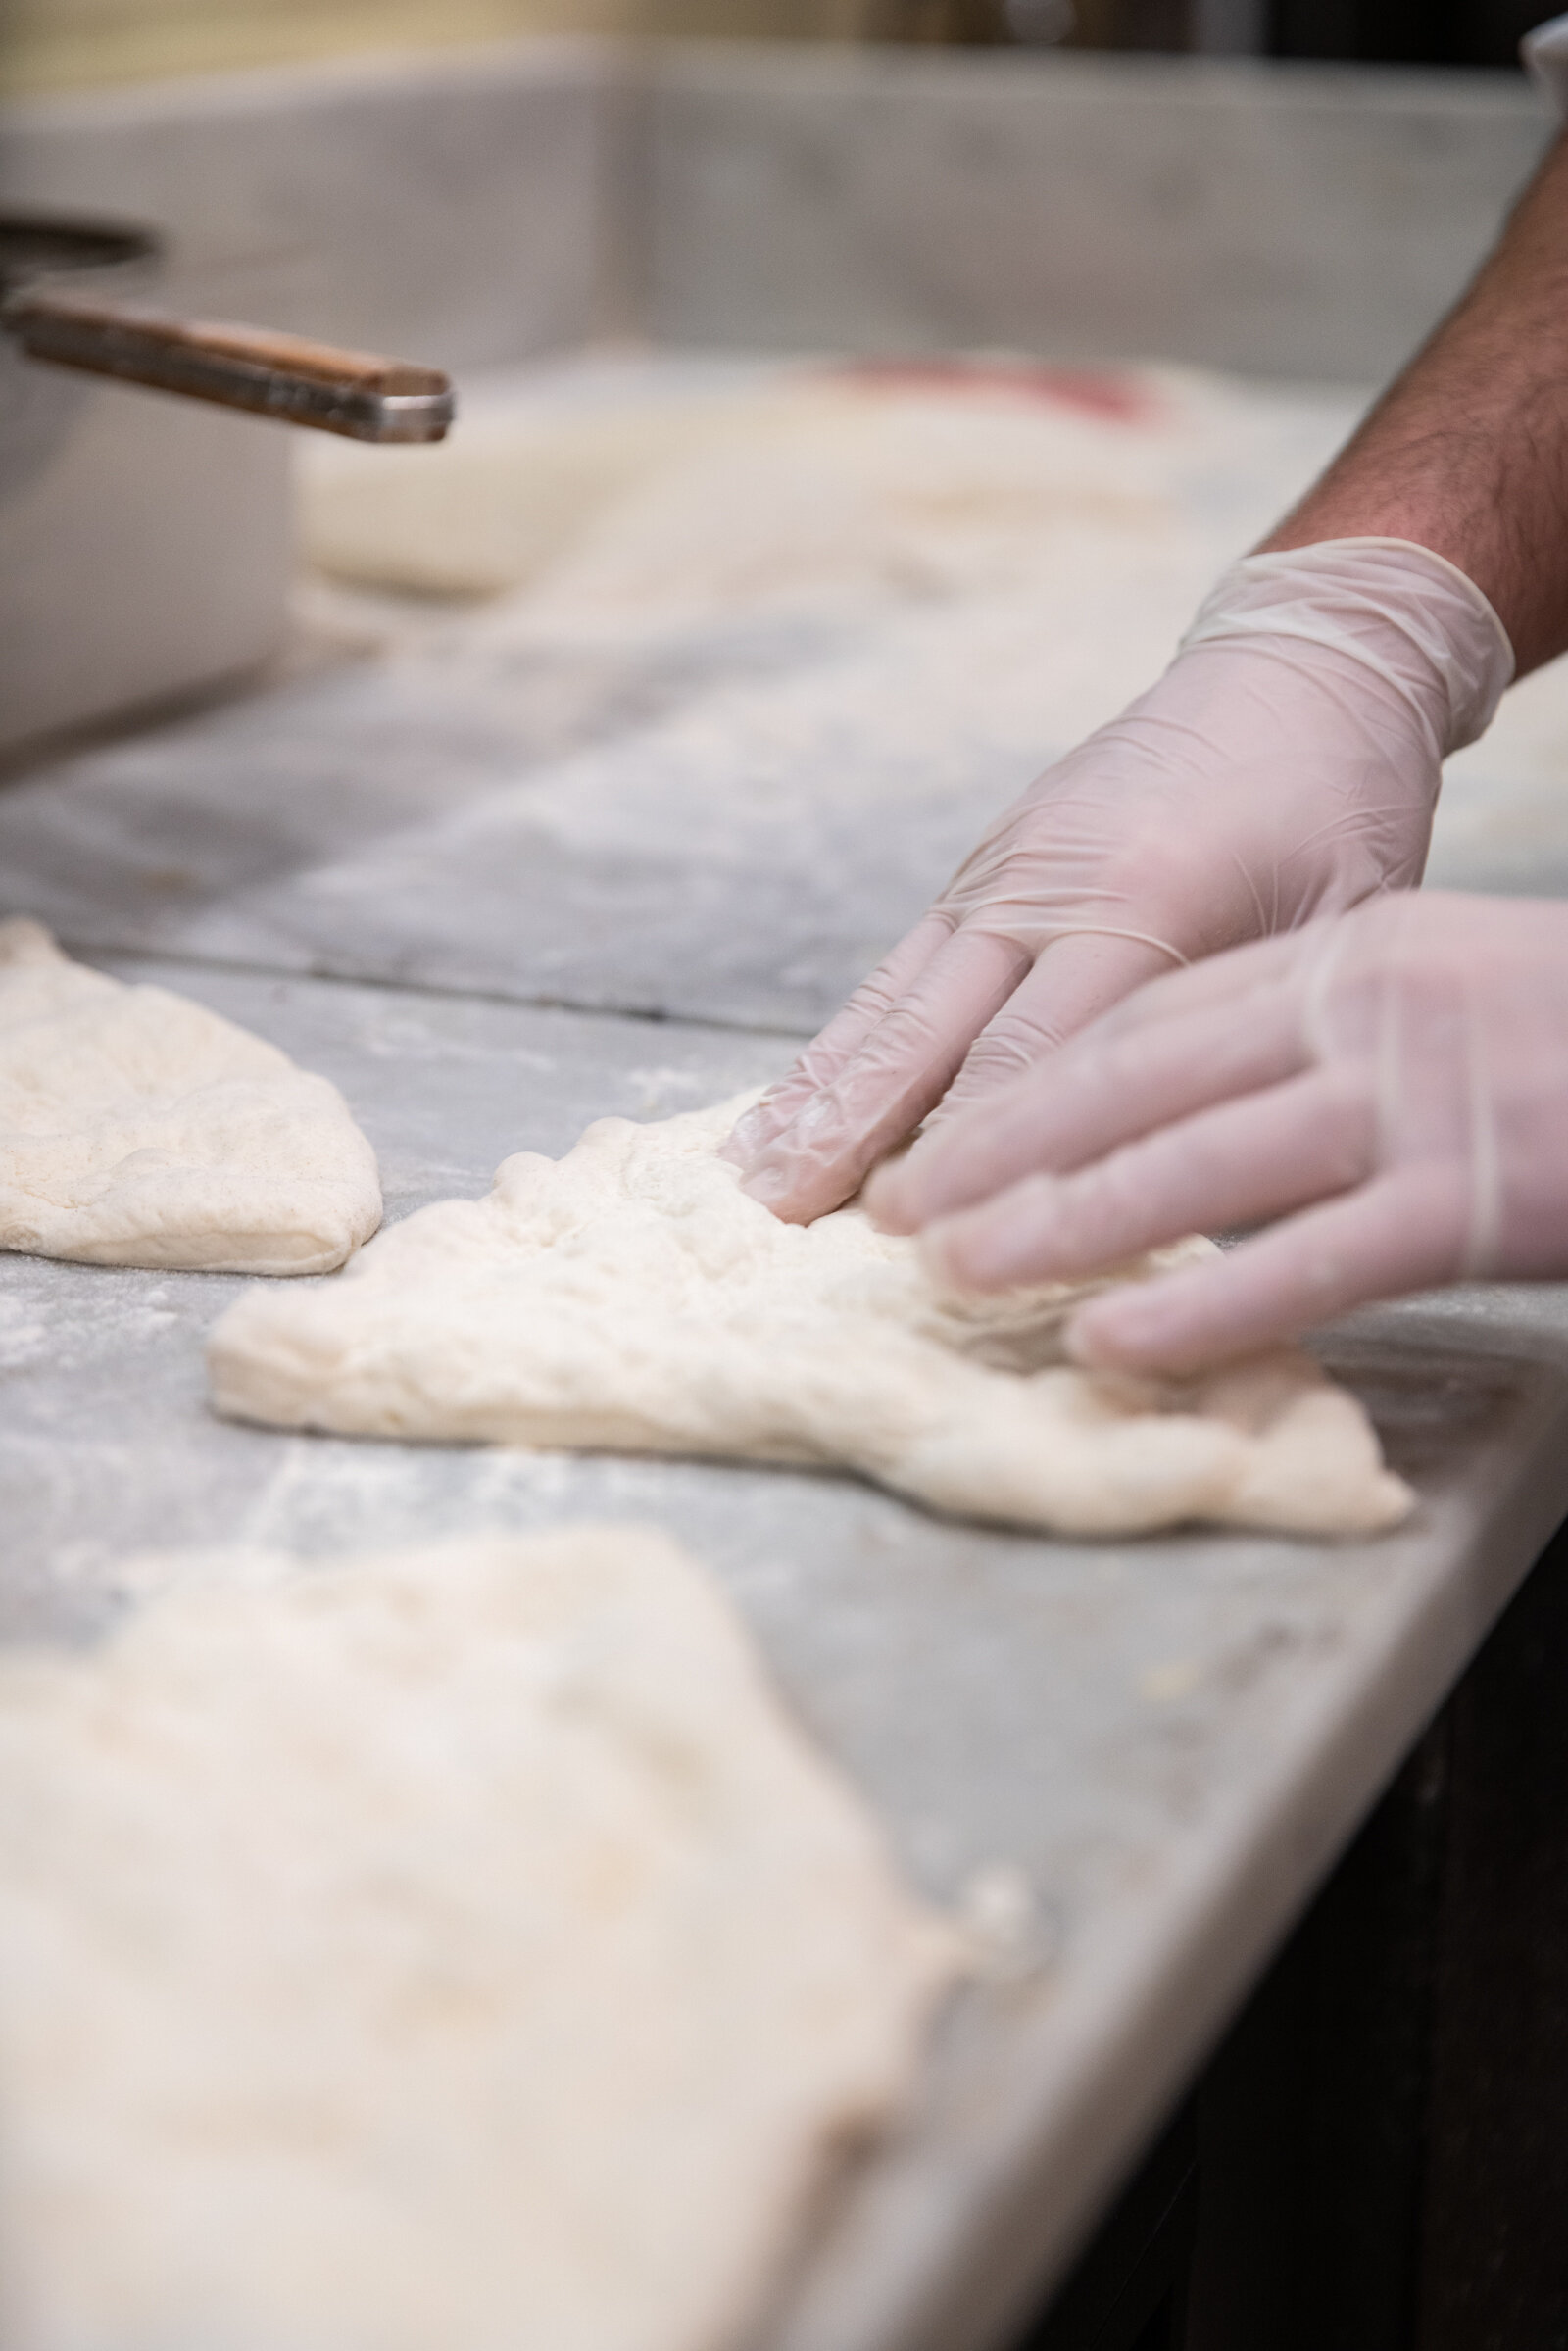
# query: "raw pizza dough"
[806,484]
[137,1128]
[457,1950]
[632,1295]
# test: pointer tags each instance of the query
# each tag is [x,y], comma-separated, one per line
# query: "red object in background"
[1092,391]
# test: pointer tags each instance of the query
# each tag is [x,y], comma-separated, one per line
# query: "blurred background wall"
[59,44]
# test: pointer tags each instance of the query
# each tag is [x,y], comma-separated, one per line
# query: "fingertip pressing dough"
[631,1296]
[137,1128]
[456,1948]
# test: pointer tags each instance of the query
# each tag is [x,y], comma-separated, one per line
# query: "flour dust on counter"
[137,1128]
[631,1296]
[457,1947]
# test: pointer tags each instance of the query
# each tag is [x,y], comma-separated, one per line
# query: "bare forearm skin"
[1468,452]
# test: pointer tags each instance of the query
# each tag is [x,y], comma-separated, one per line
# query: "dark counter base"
[1376,2158]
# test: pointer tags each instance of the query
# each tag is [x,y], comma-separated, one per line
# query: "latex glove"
[1392,1084]
[1285,765]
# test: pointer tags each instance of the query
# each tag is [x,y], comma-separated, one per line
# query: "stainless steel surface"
[36,247]
[38,412]
[145,552]
[144,543]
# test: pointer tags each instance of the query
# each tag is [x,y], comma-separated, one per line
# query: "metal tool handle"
[285,377]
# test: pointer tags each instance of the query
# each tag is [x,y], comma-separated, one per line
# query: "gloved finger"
[886,1088]
[1123,1079]
[1077,978]
[835,1044]
[1402,1233]
[1248,1159]
[1226,976]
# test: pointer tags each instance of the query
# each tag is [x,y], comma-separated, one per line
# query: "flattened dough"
[457,1950]
[630,1296]
[137,1128]
[805,484]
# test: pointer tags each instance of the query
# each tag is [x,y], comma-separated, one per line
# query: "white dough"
[632,1295]
[459,1950]
[651,501]
[137,1128]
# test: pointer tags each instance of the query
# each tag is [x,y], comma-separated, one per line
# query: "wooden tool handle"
[285,377]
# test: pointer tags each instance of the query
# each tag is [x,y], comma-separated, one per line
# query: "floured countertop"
[500,863]
[662,773]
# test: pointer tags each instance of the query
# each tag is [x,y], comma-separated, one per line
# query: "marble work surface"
[727,814]
[496,881]
[1162,1744]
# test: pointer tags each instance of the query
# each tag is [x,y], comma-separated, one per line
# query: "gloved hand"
[1393,1083]
[1285,765]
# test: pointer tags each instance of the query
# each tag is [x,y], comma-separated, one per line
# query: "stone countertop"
[726,811]
[1165,1742]
[725,816]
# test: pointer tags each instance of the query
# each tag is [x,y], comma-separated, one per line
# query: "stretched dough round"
[137,1128]
[454,1949]
[632,1295]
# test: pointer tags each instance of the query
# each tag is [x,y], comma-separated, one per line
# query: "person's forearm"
[1467,453]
